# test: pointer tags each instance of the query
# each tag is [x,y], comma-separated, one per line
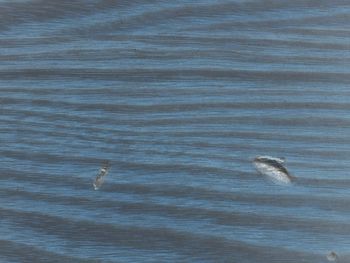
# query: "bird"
[273,168]
[100,177]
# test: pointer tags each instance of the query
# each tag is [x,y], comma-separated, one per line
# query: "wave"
[202,246]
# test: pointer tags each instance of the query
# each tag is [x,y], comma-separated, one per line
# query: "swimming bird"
[273,168]
[332,256]
[100,177]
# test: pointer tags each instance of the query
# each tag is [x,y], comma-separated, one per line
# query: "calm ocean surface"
[179,96]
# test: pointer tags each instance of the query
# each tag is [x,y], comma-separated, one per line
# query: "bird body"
[100,177]
[273,168]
